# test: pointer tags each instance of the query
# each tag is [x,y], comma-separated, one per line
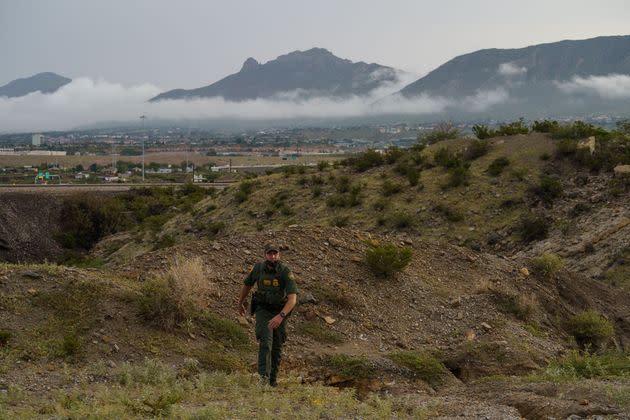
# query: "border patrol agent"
[272,302]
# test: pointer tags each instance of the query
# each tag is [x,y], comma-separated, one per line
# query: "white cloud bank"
[612,86]
[85,101]
[511,69]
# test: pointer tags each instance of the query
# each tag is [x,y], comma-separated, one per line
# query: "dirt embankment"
[28,223]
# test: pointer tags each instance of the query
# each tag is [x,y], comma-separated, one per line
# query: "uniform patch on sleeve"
[291,276]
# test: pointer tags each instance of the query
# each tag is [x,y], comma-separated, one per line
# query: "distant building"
[38,139]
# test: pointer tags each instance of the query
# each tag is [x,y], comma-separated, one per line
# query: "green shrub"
[457,176]
[413,176]
[483,132]
[547,264]
[354,367]
[442,131]
[388,259]
[579,365]
[393,154]
[548,189]
[401,220]
[389,188]
[70,345]
[316,191]
[577,130]
[422,365]
[322,165]
[545,126]
[380,204]
[566,148]
[496,167]
[340,221]
[319,332]
[5,336]
[245,189]
[164,241]
[366,160]
[590,329]
[513,128]
[447,159]
[544,156]
[451,214]
[476,149]
[518,305]
[532,227]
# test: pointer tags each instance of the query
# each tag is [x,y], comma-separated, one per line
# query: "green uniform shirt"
[274,282]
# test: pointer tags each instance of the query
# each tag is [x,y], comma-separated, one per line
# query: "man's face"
[272,256]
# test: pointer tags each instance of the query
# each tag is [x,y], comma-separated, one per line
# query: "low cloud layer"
[85,101]
[612,86]
[511,69]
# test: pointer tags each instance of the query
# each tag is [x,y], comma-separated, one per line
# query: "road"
[72,188]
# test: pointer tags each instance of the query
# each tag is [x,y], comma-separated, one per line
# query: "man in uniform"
[273,301]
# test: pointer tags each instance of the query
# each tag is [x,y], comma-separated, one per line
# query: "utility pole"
[143,117]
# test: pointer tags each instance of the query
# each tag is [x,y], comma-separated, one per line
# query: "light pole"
[143,117]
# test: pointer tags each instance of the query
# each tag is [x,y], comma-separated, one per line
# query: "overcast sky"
[189,44]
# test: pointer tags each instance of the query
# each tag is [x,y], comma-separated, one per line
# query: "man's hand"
[242,310]
[275,322]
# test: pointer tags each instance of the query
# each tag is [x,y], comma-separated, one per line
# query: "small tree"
[590,329]
[388,259]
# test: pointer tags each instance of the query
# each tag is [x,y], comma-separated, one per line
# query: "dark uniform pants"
[270,344]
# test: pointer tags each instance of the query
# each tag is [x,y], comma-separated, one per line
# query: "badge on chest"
[271,282]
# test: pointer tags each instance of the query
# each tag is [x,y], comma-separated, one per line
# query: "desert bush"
[422,365]
[380,204]
[5,336]
[413,176]
[590,329]
[340,221]
[342,185]
[322,165]
[388,259]
[400,220]
[476,149]
[245,189]
[496,166]
[354,367]
[565,148]
[338,295]
[544,156]
[446,158]
[389,188]
[545,126]
[518,305]
[164,241]
[577,130]
[319,332]
[70,344]
[442,131]
[393,154]
[532,227]
[513,128]
[548,189]
[589,365]
[351,196]
[547,264]
[366,160]
[482,132]
[317,180]
[451,214]
[175,295]
[457,176]
[316,191]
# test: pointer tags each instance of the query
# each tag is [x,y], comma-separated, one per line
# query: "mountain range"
[560,78]
[316,72]
[43,82]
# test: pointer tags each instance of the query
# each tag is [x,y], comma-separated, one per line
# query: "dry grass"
[179,293]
